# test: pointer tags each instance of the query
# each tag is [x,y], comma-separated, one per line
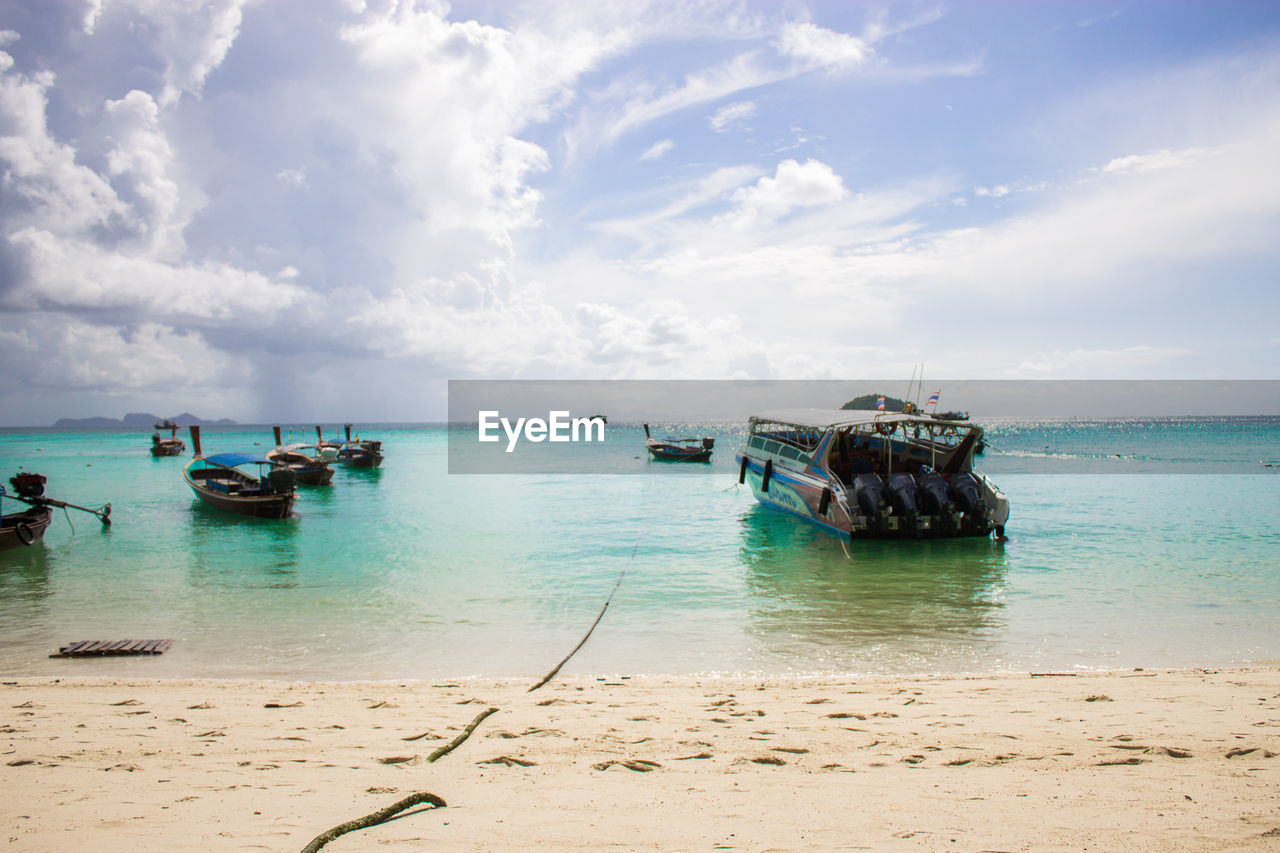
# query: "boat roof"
[231,460]
[829,418]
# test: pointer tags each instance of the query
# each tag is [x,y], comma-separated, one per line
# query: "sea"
[1132,543]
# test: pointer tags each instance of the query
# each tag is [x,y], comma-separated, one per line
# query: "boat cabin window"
[785,442]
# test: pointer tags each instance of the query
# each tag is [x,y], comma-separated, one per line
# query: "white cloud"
[293,177]
[793,185]
[822,47]
[1117,363]
[658,149]
[731,114]
[1154,161]
[63,353]
[78,275]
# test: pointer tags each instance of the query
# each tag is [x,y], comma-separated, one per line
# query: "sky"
[322,210]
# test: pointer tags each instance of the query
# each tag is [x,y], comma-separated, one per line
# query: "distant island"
[868,401]
[893,404]
[140,420]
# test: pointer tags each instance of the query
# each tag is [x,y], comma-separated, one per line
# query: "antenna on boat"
[907,398]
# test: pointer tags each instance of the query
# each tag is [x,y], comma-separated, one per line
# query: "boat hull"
[254,506]
[802,495]
[167,448]
[679,455]
[359,458]
[318,476]
[23,529]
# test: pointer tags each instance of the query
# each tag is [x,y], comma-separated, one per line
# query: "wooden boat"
[872,474]
[304,460]
[360,453]
[219,481]
[679,449]
[328,449]
[166,424]
[20,529]
[172,446]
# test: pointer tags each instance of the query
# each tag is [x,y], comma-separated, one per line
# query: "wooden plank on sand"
[87,648]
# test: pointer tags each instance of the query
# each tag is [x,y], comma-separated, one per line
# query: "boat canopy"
[832,418]
[231,460]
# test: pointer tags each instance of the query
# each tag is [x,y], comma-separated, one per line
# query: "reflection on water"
[931,605]
[233,550]
[24,575]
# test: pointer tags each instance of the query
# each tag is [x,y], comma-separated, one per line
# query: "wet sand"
[1133,760]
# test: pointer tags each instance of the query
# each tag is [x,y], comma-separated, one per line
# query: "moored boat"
[304,460]
[223,481]
[358,452]
[172,446]
[872,474]
[672,449]
[19,529]
[328,450]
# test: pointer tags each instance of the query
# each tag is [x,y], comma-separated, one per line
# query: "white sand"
[1181,760]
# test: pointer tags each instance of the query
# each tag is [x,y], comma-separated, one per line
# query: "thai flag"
[933,399]
[880,403]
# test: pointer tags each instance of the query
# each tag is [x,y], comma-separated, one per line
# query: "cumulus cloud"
[793,185]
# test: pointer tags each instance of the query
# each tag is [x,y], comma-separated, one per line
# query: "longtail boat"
[223,482]
[171,446]
[19,529]
[360,453]
[872,474]
[304,460]
[671,449]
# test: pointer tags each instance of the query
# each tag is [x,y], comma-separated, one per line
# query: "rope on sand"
[381,816]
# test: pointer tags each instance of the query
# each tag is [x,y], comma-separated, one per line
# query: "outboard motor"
[933,497]
[965,494]
[869,496]
[902,496]
[28,484]
[962,489]
[281,479]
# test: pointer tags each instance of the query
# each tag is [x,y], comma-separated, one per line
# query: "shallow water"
[410,572]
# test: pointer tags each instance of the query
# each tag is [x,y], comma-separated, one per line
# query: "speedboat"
[223,481]
[872,474]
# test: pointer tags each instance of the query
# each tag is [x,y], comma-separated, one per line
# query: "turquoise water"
[409,572]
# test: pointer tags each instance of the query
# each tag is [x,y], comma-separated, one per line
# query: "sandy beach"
[1132,760]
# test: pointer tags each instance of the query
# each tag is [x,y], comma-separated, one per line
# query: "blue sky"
[323,209]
